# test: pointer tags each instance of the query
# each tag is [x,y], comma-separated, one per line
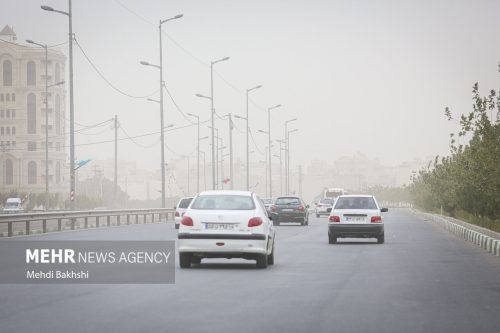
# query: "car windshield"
[223,202]
[355,203]
[11,205]
[326,201]
[288,201]
[185,202]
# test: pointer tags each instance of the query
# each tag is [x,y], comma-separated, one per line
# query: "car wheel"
[270,258]
[317,215]
[276,223]
[196,260]
[380,239]
[185,260]
[332,239]
[176,226]
[262,260]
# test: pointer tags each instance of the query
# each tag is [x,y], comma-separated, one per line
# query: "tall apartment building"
[22,117]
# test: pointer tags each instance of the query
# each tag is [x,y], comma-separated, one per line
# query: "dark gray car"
[289,209]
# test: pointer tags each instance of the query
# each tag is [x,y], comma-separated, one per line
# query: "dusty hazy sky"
[361,76]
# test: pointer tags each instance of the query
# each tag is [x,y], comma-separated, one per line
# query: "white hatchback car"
[226,224]
[356,216]
[180,209]
[322,207]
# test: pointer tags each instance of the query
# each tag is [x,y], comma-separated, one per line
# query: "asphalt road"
[423,279]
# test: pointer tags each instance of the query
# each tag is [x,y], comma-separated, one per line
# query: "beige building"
[22,117]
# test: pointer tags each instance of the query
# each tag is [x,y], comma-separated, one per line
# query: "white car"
[180,209]
[13,205]
[226,224]
[356,216]
[322,207]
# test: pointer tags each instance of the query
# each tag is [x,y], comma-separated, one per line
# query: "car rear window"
[185,202]
[288,201]
[223,202]
[355,203]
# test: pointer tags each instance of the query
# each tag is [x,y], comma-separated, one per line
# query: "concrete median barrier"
[487,239]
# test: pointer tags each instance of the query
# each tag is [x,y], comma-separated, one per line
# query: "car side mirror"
[328,210]
[384,210]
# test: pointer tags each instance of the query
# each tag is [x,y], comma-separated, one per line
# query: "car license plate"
[219,226]
[354,218]
[287,210]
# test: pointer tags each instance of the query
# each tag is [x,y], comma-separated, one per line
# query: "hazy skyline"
[364,76]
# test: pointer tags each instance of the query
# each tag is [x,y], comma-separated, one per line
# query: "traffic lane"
[398,286]
[21,297]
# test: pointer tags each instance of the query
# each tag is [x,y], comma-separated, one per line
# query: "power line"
[254,143]
[177,106]
[106,80]
[137,143]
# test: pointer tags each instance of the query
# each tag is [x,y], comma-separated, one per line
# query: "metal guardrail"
[73,217]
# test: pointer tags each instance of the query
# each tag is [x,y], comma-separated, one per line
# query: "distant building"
[22,117]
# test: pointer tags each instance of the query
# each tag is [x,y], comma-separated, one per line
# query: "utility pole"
[221,148]
[204,171]
[216,167]
[300,181]
[198,153]
[188,175]
[71,103]
[214,161]
[162,128]
[231,176]
[270,147]
[198,160]
[116,155]
[287,158]
[247,132]
[267,174]
[46,102]
[281,167]
[46,129]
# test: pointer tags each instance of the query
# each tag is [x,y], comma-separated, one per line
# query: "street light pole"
[281,167]
[46,101]
[162,131]
[198,153]
[286,155]
[270,153]
[248,146]
[71,104]
[231,176]
[212,63]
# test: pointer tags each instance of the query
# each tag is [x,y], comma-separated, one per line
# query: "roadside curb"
[490,244]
